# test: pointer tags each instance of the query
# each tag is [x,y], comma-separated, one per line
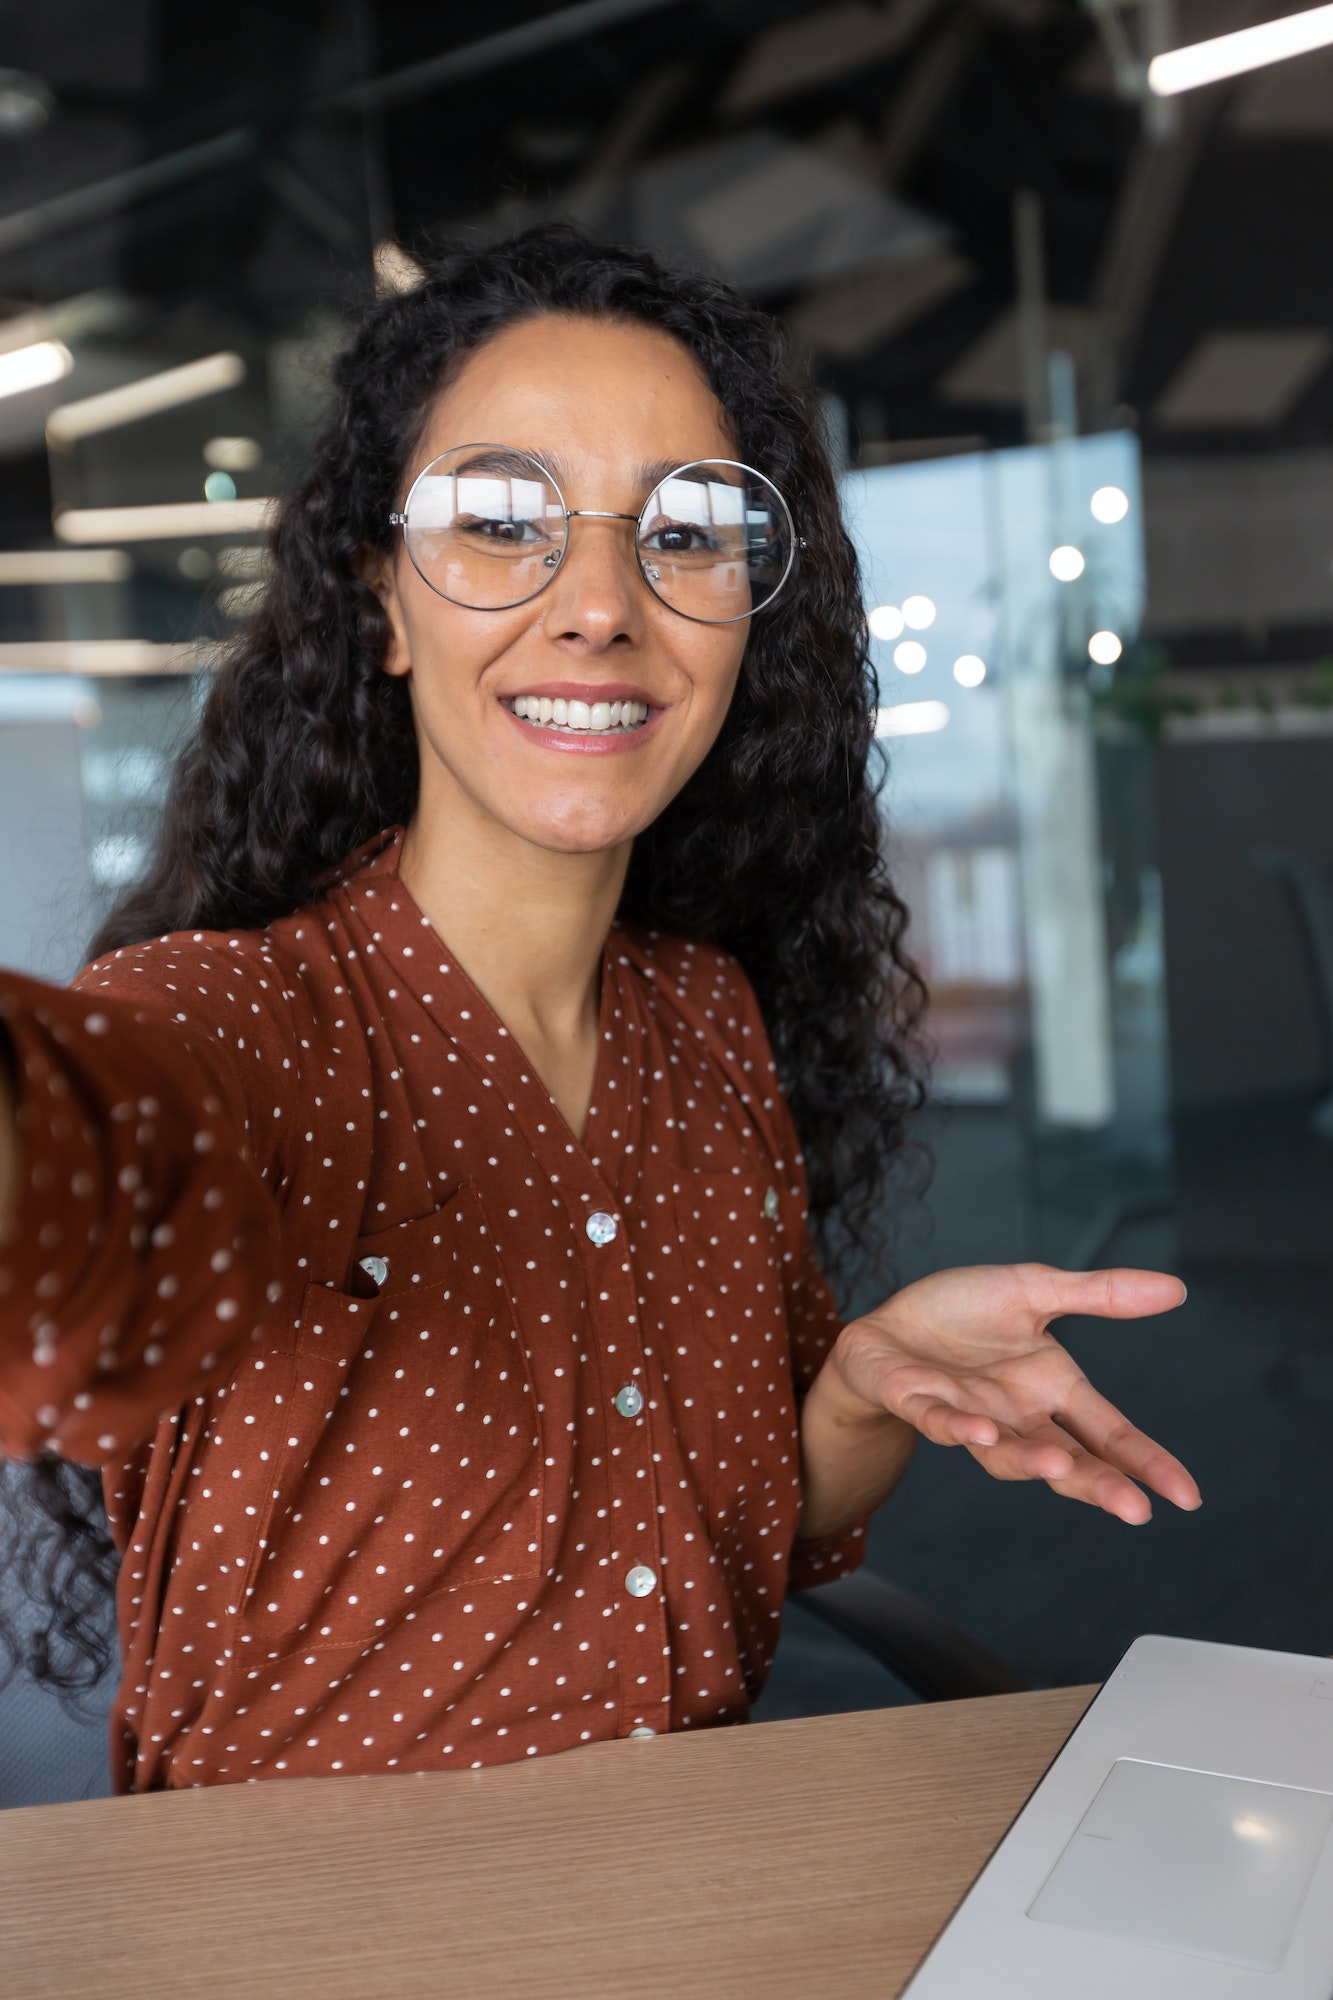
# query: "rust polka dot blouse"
[430,1436]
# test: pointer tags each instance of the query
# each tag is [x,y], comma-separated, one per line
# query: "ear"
[377,572]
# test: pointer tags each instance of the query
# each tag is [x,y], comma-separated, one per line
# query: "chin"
[579,832]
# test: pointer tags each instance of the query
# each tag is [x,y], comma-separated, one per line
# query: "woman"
[404,1212]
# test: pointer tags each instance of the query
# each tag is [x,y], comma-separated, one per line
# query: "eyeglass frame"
[794,541]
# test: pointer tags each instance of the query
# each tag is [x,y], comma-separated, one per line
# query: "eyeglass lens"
[487,528]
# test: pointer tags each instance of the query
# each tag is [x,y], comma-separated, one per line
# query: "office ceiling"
[222,176]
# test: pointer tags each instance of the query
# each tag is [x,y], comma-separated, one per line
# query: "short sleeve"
[144,1245]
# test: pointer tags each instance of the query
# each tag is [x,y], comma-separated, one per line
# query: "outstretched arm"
[9,1139]
[138,1237]
[966,1357]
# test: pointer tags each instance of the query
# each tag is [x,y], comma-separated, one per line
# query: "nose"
[594,599]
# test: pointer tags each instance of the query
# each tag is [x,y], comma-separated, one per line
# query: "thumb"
[1121,1293]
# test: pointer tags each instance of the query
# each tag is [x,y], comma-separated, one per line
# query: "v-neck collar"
[399,930]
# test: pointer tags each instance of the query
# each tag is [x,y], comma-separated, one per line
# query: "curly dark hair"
[773,850]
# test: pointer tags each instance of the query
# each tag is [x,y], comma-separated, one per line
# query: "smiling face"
[610,405]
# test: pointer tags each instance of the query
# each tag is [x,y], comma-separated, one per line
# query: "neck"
[527,924]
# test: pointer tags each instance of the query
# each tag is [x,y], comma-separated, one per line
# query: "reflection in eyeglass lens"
[712,546]
[486,535]
[486,527]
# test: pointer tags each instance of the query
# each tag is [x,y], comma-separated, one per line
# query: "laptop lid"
[1177,1847]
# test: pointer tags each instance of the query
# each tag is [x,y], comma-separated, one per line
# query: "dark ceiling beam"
[632,131]
[107,197]
[63,212]
[529,38]
[910,115]
[313,208]
[1151,196]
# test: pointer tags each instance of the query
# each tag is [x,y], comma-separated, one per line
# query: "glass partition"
[1005,595]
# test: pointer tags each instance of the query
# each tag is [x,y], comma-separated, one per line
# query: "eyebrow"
[499,458]
[649,473]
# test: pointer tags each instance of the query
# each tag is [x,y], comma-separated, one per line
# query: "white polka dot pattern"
[319,1293]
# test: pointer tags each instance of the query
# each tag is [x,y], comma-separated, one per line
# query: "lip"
[613,744]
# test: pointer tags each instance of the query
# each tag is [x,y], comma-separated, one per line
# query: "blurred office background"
[1075,347]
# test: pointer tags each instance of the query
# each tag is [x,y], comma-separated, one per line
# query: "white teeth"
[596,718]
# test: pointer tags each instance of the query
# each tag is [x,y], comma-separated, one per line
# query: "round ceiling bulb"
[1109,504]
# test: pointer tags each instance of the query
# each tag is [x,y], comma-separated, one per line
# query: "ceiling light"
[181,522]
[886,621]
[100,656]
[910,657]
[68,319]
[912,718]
[1109,504]
[25,103]
[1067,563]
[918,612]
[34,366]
[970,670]
[233,454]
[1246,49]
[147,397]
[1105,648]
[64,566]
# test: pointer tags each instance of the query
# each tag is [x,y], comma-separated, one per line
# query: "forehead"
[595,392]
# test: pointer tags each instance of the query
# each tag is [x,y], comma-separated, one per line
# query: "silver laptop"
[1177,1849]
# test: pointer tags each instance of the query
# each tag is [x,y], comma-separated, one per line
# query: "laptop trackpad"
[1189,1861]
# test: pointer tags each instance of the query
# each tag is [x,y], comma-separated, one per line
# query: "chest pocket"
[730,1232]
[409,1449]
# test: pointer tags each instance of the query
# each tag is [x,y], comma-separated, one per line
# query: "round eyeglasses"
[487,528]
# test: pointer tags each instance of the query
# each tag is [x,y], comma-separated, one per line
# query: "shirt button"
[375,1268]
[601,1228]
[640,1580]
[643,1730]
[771,1203]
[629,1400]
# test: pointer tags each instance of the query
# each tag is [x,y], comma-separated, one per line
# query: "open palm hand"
[966,1357]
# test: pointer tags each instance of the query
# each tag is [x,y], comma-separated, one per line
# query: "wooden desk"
[787,1859]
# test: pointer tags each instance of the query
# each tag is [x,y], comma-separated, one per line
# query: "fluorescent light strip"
[1246,49]
[119,657]
[72,319]
[180,523]
[145,398]
[64,566]
[912,718]
[33,367]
